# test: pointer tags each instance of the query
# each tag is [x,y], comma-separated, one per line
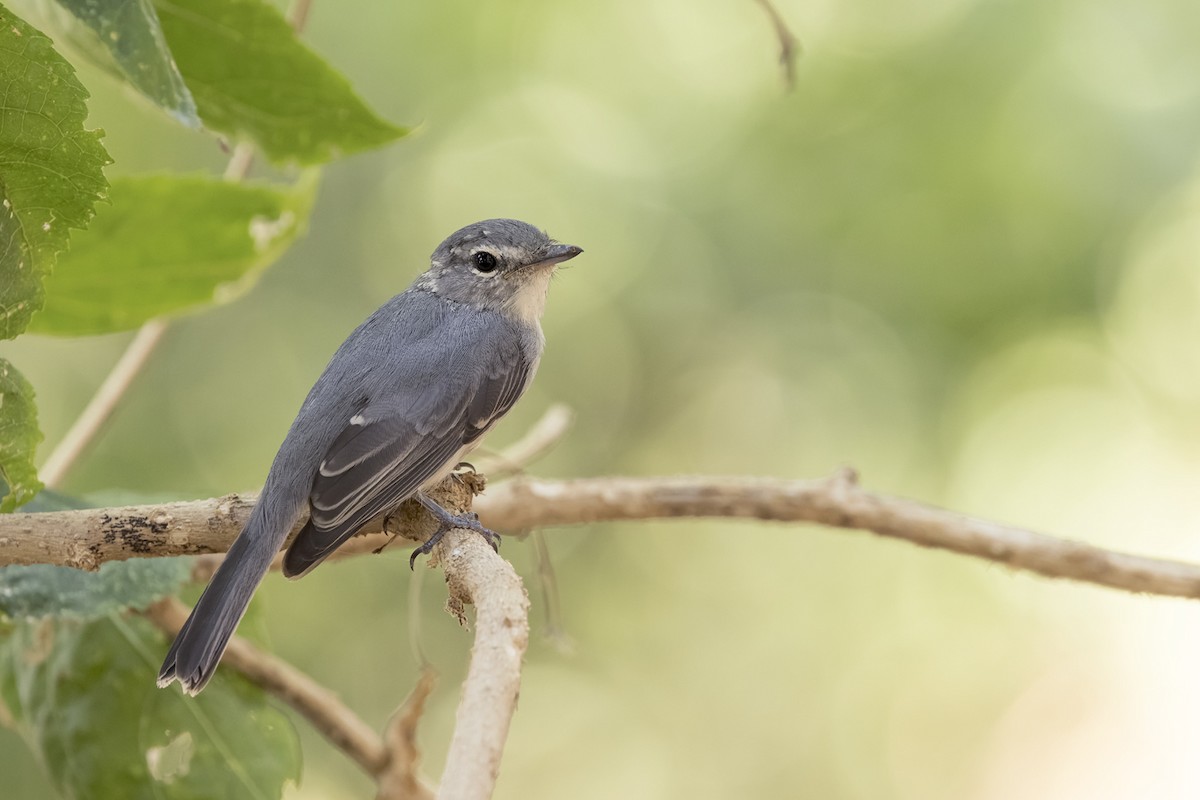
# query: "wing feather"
[397,443]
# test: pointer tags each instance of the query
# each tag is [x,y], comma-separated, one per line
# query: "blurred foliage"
[83,695]
[51,175]
[19,437]
[41,590]
[961,256]
[82,692]
[129,31]
[252,77]
[116,277]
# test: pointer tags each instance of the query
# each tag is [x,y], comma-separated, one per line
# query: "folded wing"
[398,441]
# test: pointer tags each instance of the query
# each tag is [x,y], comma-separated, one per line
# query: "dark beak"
[556,254]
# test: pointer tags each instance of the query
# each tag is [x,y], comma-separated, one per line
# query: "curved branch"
[476,574]
[320,706]
[400,780]
[86,539]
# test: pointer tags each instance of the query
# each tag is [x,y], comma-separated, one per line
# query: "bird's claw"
[427,546]
[469,521]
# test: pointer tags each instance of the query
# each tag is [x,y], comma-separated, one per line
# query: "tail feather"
[193,657]
[307,550]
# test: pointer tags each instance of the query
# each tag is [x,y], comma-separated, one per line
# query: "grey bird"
[401,401]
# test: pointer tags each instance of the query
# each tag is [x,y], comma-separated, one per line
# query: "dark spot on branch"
[131,530]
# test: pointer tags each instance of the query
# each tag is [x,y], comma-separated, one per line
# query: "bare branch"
[98,410]
[554,632]
[836,502]
[86,539]
[332,718]
[400,780]
[102,404]
[477,574]
[6,717]
[789,45]
[539,439]
[297,15]
[239,163]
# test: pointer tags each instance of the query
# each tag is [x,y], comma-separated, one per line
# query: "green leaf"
[50,167]
[167,244]
[21,290]
[129,31]
[50,500]
[253,78]
[41,590]
[19,437]
[84,697]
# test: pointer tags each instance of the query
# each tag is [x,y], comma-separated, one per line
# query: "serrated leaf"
[253,78]
[50,167]
[41,590]
[168,244]
[19,437]
[84,697]
[21,291]
[129,30]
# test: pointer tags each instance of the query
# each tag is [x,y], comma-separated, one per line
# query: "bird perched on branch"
[401,401]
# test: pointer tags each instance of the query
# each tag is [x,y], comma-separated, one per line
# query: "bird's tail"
[193,657]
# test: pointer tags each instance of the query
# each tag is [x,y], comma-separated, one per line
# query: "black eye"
[484,261]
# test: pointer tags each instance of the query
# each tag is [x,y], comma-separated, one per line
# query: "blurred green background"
[960,256]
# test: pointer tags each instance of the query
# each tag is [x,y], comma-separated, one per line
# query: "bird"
[403,399]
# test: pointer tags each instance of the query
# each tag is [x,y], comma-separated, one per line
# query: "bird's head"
[502,265]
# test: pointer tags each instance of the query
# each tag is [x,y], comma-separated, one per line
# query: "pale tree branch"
[391,760]
[476,574]
[297,15]
[88,538]
[537,441]
[400,780]
[103,403]
[6,718]
[137,353]
[548,431]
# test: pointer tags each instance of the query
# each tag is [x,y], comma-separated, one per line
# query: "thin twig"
[100,408]
[789,45]
[400,780]
[413,608]
[239,163]
[297,15]
[102,404]
[88,538]
[333,719]
[537,441]
[555,631]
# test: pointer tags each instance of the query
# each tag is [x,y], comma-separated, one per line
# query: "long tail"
[193,657]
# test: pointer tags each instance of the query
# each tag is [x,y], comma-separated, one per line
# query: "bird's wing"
[393,445]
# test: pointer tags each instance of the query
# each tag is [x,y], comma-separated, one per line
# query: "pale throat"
[529,301]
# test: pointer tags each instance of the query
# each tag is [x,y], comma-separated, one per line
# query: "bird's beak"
[556,254]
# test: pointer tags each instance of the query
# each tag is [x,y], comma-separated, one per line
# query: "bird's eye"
[484,261]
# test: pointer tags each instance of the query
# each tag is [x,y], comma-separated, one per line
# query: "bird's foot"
[448,521]
[392,536]
[465,474]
